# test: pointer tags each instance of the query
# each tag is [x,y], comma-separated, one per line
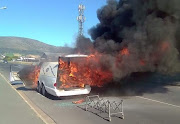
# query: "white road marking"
[178,86]
[158,101]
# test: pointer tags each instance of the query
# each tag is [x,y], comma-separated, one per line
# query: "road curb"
[41,114]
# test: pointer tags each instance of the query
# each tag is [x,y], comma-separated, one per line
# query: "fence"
[106,106]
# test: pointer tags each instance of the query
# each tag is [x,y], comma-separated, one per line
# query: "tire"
[39,90]
[44,92]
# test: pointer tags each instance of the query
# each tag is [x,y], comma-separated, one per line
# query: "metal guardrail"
[106,106]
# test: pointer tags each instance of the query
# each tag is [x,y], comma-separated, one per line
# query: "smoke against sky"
[137,36]
[132,36]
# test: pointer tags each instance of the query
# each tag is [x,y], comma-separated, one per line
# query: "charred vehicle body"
[62,78]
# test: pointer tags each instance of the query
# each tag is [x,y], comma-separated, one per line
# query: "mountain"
[28,46]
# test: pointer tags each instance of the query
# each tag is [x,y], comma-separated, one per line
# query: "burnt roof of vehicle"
[74,55]
[53,57]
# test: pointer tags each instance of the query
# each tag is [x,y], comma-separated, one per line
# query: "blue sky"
[49,21]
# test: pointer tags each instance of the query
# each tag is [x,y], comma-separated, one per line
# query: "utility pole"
[81,18]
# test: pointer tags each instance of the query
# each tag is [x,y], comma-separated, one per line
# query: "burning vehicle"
[72,74]
[62,78]
[132,36]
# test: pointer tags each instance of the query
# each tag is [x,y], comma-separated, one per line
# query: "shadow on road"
[24,89]
[16,82]
[49,96]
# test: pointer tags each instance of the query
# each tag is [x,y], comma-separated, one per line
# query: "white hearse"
[48,82]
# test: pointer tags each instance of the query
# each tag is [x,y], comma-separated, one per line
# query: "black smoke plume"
[148,31]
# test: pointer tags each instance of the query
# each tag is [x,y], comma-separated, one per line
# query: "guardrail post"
[109,110]
[122,109]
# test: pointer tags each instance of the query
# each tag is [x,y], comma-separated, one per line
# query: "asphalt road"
[13,109]
[162,106]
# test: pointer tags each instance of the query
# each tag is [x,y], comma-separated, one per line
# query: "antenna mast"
[81,18]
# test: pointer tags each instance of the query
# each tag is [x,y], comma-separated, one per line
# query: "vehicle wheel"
[44,92]
[39,88]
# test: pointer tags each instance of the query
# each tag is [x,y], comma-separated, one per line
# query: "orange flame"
[34,75]
[119,57]
[89,70]
[83,71]
[78,101]
[165,46]
[124,51]
[142,62]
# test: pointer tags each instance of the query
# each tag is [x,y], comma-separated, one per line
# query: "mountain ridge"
[28,46]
